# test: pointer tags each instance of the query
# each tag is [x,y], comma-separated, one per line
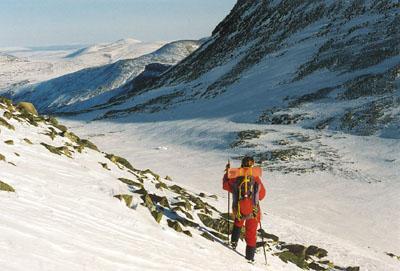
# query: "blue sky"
[56,22]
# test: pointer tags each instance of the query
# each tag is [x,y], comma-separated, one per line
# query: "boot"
[235,236]
[250,251]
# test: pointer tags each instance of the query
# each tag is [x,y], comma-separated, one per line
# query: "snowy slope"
[69,91]
[70,206]
[44,63]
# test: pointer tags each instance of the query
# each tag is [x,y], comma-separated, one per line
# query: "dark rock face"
[268,28]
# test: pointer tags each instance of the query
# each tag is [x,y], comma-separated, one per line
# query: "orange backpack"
[245,191]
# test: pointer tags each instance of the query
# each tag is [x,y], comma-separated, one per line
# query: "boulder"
[27,107]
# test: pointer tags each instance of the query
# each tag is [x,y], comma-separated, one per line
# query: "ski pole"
[229,203]
[262,238]
[229,211]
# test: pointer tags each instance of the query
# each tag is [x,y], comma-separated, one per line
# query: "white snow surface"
[63,216]
[352,210]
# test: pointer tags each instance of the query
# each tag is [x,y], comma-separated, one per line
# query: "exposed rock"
[244,136]
[316,251]
[71,136]
[161,185]
[208,236]
[220,225]
[63,150]
[28,141]
[27,107]
[53,121]
[130,182]
[184,204]
[119,161]
[369,118]
[148,171]
[175,225]
[311,97]
[7,115]
[51,133]
[126,198]
[4,123]
[9,142]
[269,236]
[157,215]
[177,189]
[393,255]
[6,187]
[104,165]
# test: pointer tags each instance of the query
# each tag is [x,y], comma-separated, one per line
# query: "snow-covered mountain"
[112,52]
[322,64]
[40,64]
[80,90]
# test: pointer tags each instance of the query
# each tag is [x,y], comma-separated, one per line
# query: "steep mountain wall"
[322,64]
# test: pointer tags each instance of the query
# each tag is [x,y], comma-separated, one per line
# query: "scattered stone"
[87,144]
[7,115]
[148,171]
[220,225]
[52,133]
[4,123]
[130,182]
[161,185]
[168,178]
[184,204]
[6,187]
[316,251]
[54,122]
[208,236]
[175,225]
[126,198]
[157,215]
[58,150]
[269,236]
[177,189]
[244,136]
[9,142]
[214,197]
[104,165]
[71,136]
[288,256]
[393,255]
[119,161]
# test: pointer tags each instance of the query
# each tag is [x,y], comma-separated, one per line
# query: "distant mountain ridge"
[71,92]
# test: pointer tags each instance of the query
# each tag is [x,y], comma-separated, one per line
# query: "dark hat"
[246,160]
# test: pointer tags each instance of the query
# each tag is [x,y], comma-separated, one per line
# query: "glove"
[227,167]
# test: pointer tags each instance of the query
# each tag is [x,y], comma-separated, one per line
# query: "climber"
[247,191]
